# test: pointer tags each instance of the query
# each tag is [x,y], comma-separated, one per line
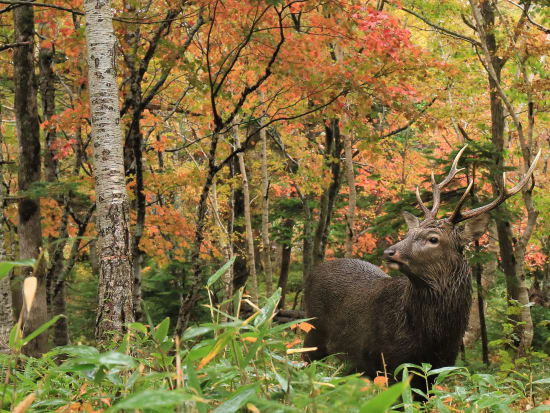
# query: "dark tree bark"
[332,156]
[55,288]
[286,254]
[484,14]
[28,137]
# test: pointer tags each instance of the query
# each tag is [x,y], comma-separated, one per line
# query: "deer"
[377,322]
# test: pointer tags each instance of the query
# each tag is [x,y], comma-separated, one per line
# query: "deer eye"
[433,240]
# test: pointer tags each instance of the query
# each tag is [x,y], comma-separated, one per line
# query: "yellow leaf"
[220,344]
[25,403]
[29,291]
[300,350]
[252,408]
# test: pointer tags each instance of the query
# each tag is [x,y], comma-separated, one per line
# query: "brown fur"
[361,313]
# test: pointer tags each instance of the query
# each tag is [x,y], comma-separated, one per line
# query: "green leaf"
[6,266]
[542,381]
[381,402]
[82,352]
[161,330]
[41,329]
[236,402]
[148,399]
[195,331]
[268,308]
[138,327]
[220,272]
[113,358]
[407,394]
[13,334]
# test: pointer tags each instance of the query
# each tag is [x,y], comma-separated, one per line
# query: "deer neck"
[440,308]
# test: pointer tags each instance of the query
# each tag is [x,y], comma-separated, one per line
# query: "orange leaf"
[381,381]
[303,326]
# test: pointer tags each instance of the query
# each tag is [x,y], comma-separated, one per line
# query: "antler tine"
[503,196]
[438,187]
[427,212]
[454,169]
[456,212]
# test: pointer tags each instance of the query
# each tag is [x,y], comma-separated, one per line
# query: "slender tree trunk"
[240,270]
[352,201]
[474,331]
[266,247]
[288,225]
[333,151]
[484,15]
[6,310]
[253,287]
[28,137]
[55,286]
[115,308]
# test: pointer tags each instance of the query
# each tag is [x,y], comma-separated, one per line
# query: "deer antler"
[430,214]
[458,216]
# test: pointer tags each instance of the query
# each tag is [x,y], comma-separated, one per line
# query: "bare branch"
[12,45]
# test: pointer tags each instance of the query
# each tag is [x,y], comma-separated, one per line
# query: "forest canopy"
[172,171]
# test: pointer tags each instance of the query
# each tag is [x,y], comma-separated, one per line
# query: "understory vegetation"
[253,364]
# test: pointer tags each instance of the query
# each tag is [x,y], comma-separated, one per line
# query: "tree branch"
[439,28]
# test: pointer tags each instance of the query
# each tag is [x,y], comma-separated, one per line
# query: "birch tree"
[115,307]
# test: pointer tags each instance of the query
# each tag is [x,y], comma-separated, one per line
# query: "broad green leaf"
[383,401]
[195,331]
[220,272]
[542,381]
[6,266]
[162,330]
[113,358]
[150,399]
[82,352]
[236,402]
[138,327]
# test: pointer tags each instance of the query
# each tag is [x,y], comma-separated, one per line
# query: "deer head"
[431,252]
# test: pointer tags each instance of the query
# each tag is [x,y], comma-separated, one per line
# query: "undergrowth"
[230,364]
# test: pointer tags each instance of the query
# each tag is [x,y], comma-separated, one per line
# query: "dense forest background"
[261,136]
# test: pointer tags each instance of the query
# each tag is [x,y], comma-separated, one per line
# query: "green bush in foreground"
[231,365]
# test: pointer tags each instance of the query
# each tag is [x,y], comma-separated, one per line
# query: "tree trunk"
[28,137]
[6,310]
[333,151]
[474,331]
[266,247]
[240,270]
[484,15]
[352,201]
[288,225]
[55,286]
[253,286]
[115,308]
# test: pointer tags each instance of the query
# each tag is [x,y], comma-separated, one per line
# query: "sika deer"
[361,313]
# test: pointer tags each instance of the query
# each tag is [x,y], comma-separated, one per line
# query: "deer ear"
[474,229]
[411,220]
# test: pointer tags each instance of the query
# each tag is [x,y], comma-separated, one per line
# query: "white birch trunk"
[115,307]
